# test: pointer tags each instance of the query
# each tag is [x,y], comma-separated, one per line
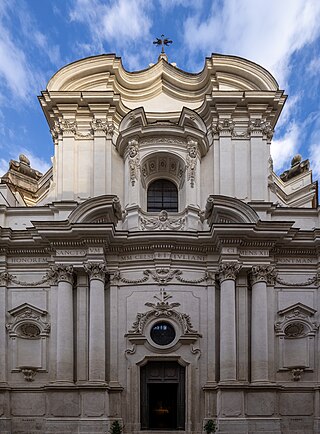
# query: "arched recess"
[167,166]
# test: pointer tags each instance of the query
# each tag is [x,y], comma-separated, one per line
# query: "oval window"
[163,333]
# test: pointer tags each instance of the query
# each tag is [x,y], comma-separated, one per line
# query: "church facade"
[160,276]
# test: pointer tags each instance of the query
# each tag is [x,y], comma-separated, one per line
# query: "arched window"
[162,195]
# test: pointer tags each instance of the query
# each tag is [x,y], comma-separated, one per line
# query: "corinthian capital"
[229,271]
[62,273]
[96,271]
[263,273]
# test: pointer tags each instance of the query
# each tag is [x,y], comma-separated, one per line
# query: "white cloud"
[314,157]
[289,110]
[4,166]
[125,24]
[314,67]
[17,73]
[267,32]
[169,4]
[13,65]
[283,149]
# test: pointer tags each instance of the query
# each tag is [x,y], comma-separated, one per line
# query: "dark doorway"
[163,396]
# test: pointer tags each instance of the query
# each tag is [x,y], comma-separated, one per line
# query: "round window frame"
[159,321]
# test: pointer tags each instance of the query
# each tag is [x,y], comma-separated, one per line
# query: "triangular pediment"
[27,310]
[297,308]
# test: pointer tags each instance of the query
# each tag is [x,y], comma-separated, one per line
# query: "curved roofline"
[226,69]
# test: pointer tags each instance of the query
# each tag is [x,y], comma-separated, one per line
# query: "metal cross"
[162,41]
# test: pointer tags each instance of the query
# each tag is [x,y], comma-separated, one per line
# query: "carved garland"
[162,276]
[55,274]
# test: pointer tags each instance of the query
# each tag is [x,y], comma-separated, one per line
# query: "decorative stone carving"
[295,321]
[297,167]
[96,271]
[62,273]
[134,160]
[162,222]
[262,273]
[170,166]
[28,322]
[100,125]
[260,127]
[28,373]
[296,373]
[5,277]
[192,147]
[311,281]
[116,206]
[224,127]
[162,308]
[229,271]
[162,276]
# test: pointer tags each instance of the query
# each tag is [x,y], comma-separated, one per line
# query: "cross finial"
[162,41]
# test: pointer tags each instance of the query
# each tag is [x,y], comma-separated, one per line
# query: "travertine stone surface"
[110,312]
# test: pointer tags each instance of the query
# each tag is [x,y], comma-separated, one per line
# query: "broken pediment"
[224,209]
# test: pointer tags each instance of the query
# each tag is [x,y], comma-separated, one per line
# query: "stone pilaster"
[65,356]
[260,276]
[228,351]
[97,338]
[4,278]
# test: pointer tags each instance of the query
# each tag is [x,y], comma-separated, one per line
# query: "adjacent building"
[160,274]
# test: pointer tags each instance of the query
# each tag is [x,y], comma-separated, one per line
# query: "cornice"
[95,71]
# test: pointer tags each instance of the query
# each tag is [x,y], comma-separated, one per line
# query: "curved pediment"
[106,73]
[225,209]
[101,209]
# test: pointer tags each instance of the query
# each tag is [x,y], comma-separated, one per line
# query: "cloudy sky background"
[37,37]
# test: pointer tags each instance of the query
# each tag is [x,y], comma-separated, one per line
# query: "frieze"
[255,252]
[28,260]
[70,252]
[165,140]
[293,260]
[163,255]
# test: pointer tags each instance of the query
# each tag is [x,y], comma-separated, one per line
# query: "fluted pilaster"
[228,354]
[97,338]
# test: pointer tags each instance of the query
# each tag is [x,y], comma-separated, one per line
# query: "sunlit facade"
[160,274]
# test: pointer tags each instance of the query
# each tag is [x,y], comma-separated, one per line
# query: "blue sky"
[37,37]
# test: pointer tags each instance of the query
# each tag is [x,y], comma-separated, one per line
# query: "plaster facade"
[89,276]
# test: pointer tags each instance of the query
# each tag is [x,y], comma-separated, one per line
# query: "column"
[97,336]
[228,351]
[259,323]
[4,278]
[65,358]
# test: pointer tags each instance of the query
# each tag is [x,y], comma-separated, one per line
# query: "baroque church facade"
[160,274]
